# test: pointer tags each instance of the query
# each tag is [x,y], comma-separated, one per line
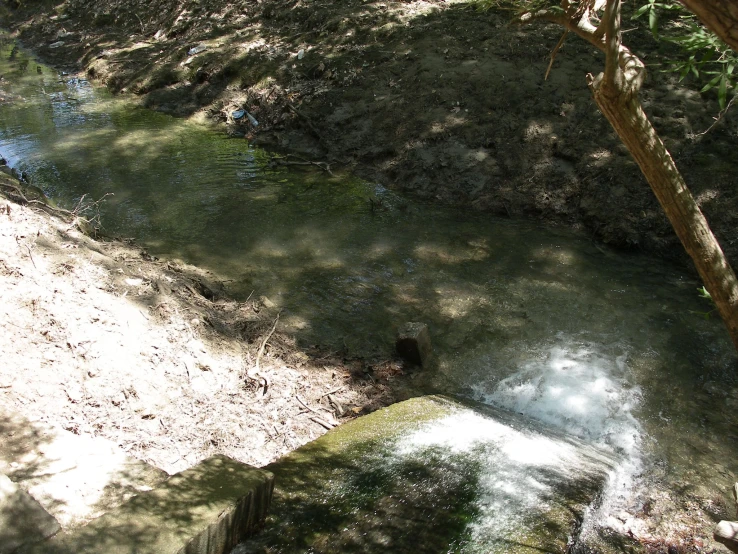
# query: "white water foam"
[517,471]
[587,394]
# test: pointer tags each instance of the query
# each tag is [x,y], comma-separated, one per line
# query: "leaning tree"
[615,91]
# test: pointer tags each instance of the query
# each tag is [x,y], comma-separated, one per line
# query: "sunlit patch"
[536,451]
[562,256]
[577,403]
[600,157]
[450,254]
[536,129]
[270,249]
[456,303]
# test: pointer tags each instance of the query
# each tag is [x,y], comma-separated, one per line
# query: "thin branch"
[264,343]
[717,119]
[578,22]
[555,51]
[580,26]
[613,42]
[319,417]
[30,256]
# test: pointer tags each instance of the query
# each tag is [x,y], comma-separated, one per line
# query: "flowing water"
[608,346]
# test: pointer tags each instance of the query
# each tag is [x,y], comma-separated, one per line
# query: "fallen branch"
[320,415]
[18,193]
[322,422]
[302,161]
[331,391]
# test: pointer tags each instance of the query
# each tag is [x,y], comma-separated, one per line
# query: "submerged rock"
[413,343]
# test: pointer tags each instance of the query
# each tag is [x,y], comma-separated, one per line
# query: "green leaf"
[711,84]
[640,11]
[723,91]
[653,23]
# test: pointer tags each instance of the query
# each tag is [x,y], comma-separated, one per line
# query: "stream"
[613,348]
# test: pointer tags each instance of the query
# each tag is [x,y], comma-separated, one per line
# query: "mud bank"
[432,98]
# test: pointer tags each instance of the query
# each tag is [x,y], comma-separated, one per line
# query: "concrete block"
[22,519]
[207,509]
[413,343]
[76,478]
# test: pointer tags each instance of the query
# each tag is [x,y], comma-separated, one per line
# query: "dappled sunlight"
[555,255]
[601,157]
[268,248]
[456,254]
[536,129]
[350,262]
[456,303]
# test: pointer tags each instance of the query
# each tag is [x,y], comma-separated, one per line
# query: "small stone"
[267,303]
[726,532]
[413,343]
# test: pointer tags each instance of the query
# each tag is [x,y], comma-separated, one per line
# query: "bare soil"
[101,338]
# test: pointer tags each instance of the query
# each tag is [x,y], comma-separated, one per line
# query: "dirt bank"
[434,98]
[100,338]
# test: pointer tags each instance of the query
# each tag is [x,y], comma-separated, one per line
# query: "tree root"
[17,194]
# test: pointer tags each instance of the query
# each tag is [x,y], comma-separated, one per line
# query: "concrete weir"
[433,475]
[204,510]
[62,493]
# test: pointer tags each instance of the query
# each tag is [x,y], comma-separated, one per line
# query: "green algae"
[363,488]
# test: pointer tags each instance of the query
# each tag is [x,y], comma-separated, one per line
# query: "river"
[612,347]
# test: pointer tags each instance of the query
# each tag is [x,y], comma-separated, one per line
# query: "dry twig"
[254,374]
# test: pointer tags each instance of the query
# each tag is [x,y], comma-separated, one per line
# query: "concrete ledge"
[22,519]
[76,478]
[207,509]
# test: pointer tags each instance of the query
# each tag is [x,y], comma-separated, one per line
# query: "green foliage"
[651,8]
[704,293]
[707,58]
[707,296]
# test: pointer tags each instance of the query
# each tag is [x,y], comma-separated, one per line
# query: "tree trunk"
[720,16]
[624,112]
